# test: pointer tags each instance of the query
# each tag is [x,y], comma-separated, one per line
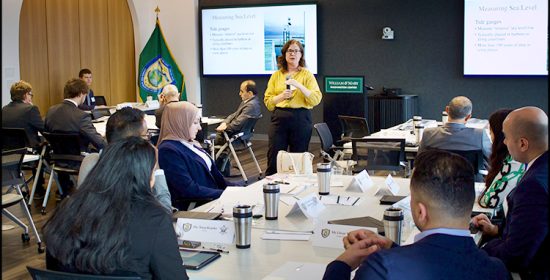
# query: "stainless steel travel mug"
[324,171]
[418,131]
[393,222]
[242,216]
[416,120]
[444,117]
[271,201]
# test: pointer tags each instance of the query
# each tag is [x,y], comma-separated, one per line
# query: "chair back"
[324,134]
[42,274]
[98,113]
[65,148]
[353,127]
[248,128]
[378,153]
[12,162]
[14,138]
[100,100]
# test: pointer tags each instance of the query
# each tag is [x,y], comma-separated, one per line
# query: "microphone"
[288,78]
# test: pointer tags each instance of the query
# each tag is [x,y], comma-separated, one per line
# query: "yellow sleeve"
[315,97]
[272,90]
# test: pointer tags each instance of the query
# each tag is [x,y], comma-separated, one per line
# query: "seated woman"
[113,224]
[190,171]
[504,172]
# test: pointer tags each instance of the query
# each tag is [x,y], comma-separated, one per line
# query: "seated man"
[522,241]
[124,123]
[89,102]
[21,113]
[249,108]
[169,94]
[67,118]
[442,197]
[454,135]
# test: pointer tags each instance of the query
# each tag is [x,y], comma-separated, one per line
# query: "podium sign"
[341,84]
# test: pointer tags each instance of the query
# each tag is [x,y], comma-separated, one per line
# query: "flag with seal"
[157,68]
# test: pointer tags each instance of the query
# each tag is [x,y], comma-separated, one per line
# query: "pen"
[203,249]
[281,182]
[355,201]
[338,200]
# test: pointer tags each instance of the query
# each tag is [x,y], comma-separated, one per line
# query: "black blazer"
[89,102]
[67,118]
[18,114]
[154,250]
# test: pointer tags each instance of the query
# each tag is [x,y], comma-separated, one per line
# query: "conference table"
[275,259]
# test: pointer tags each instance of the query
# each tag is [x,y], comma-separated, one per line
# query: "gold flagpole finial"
[157,10]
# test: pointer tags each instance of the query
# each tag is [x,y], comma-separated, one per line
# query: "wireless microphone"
[288,78]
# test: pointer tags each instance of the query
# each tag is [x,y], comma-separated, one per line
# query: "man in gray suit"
[454,135]
[67,118]
[122,124]
[249,108]
[233,124]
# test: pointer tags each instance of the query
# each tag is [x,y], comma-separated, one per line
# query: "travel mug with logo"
[324,171]
[242,216]
[271,200]
[393,221]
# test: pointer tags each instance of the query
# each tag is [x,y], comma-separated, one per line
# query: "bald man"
[454,135]
[169,94]
[522,241]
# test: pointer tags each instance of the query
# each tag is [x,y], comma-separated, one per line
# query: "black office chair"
[378,154]
[475,158]
[328,150]
[12,177]
[16,138]
[100,100]
[98,113]
[240,142]
[65,157]
[353,127]
[43,274]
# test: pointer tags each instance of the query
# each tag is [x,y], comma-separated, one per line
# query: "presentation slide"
[247,40]
[503,37]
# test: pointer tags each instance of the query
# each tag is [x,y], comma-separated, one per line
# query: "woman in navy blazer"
[190,171]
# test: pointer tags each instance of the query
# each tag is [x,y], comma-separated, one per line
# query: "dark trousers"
[290,130]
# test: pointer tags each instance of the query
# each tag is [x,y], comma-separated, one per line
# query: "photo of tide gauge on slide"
[278,29]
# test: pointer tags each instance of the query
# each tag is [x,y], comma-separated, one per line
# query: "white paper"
[310,206]
[404,204]
[361,182]
[292,189]
[298,271]
[331,235]
[206,230]
[295,237]
[392,185]
[288,200]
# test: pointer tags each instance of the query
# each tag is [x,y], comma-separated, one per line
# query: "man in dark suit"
[454,135]
[442,197]
[522,241]
[249,108]
[67,118]
[21,113]
[89,102]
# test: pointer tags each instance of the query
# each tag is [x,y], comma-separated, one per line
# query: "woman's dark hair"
[89,230]
[499,151]
[281,60]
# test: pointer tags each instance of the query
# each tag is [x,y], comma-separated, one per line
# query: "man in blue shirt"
[442,197]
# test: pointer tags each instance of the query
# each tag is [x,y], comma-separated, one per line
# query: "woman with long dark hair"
[292,91]
[113,224]
[504,172]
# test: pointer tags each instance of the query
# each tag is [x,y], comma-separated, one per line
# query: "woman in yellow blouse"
[292,91]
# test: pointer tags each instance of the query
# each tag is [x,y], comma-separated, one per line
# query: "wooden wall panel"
[33,51]
[59,37]
[63,44]
[94,46]
[122,59]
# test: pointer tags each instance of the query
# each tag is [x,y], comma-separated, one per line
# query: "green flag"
[158,68]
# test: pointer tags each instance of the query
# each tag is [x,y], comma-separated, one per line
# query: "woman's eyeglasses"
[293,51]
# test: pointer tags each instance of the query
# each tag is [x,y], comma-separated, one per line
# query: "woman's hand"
[483,223]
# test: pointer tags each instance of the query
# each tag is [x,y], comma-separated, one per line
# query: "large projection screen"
[506,37]
[247,40]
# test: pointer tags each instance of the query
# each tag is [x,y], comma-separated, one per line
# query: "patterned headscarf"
[177,119]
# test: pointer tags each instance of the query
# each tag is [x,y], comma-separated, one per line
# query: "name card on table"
[309,206]
[390,187]
[331,235]
[361,182]
[206,230]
